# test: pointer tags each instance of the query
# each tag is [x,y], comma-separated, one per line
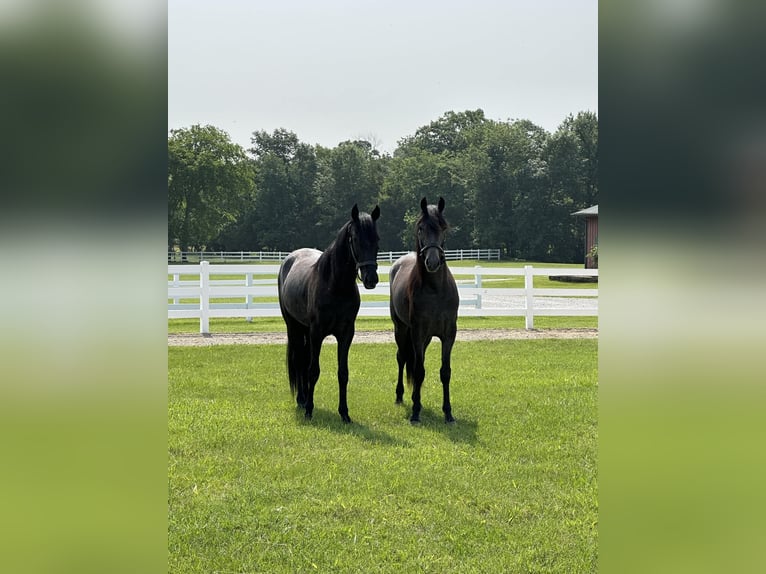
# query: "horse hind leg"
[403,355]
[400,378]
[315,349]
[297,360]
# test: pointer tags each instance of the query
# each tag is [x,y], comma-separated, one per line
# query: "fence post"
[204,297]
[176,277]
[477,284]
[528,288]
[248,298]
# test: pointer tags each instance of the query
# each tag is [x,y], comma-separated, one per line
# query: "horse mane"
[331,263]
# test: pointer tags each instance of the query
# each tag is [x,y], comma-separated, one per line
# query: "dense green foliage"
[507,184]
[209,184]
[511,487]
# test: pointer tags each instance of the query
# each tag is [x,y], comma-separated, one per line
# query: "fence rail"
[194,294]
[278,256]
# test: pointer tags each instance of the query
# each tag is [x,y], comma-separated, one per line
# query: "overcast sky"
[334,70]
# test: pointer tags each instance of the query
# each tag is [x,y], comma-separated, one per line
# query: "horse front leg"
[418,376]
[445,374]
[344,345]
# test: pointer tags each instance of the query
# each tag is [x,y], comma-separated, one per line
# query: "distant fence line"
[242,256]
[194,293]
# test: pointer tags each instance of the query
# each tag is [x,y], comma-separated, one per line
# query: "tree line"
[507,184]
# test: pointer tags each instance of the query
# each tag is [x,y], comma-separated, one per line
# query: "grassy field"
[511,487]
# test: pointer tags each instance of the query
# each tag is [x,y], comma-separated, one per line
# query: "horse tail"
[297,357]
[298,360]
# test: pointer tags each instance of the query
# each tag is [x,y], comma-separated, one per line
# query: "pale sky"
[334,70]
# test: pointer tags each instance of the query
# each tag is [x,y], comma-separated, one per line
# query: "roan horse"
[318,297]
[424,303]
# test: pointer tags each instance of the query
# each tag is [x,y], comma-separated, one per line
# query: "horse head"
[431,232]
[363,244]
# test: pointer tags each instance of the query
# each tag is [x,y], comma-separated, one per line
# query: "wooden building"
[591,235]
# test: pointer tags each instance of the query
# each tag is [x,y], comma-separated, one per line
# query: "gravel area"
[488,301]
[197,340]
[519,302]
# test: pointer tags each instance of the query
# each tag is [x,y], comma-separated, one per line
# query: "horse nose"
[370,279]
[433,262]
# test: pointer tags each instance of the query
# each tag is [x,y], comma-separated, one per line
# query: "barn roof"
[588,211]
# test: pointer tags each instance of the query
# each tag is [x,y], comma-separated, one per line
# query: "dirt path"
[197,340]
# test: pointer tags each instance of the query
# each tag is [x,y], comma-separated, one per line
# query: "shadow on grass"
[462,430]
[327,420]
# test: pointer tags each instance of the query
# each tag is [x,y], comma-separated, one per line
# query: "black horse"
[318,297]
[424,302]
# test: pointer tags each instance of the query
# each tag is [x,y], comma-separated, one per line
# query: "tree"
[282,143]
[353,172]
[507,184]
[284,211]
[410,177]
[448,133]
[571,156]
[497,152]
[209,182]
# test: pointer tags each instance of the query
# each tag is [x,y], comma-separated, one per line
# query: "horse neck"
[433,279]
[339,262]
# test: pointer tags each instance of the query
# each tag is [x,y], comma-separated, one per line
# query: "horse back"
[294,282]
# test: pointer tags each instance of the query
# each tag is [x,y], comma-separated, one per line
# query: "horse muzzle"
[369,275]
[433,259]
[433,264]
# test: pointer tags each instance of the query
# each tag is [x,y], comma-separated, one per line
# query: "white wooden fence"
[193,293]
[277,256]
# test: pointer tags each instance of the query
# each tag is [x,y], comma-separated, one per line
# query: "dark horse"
[318,297]
[424,302]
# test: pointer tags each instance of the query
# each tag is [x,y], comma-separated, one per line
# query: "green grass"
[510,488]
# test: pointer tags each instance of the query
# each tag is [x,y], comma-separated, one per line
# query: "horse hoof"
[398,402]
[414,422]
[450,421]
[307,416]
[346,419]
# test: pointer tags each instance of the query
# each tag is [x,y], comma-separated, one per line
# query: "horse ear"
[441,204]
[424,205]
[355,213]
[375,213]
